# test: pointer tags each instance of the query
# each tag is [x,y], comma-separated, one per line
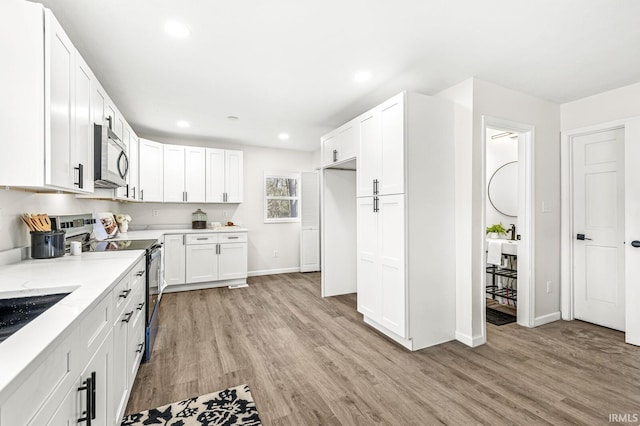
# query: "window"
[281,197]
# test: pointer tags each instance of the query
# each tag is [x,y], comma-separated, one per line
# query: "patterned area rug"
[499,318]
[229,407]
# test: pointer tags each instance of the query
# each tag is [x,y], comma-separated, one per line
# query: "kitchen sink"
[17,312]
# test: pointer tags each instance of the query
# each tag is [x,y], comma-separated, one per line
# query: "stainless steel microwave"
[110,160]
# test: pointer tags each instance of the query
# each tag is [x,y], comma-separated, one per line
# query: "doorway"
[507,272]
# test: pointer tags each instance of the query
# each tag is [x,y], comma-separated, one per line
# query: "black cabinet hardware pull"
[335,155]
[582,237]
[140,348]
[93,395]
[140,306]
[128,316]
[80,182]
[90,397]
[635,243]
[140,273]
[125,293]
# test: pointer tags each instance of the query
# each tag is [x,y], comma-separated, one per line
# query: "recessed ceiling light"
[232,117]
[283,136]
[362,76]
[183,124]
[177,29]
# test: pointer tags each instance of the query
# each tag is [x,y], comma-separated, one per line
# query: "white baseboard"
[273,271]
[546,319]
[201,286]
[470,341]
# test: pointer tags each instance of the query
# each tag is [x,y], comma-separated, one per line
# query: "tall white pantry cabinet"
[405,220]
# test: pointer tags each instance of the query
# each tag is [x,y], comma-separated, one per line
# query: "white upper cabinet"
[83,126]
[215,175]
[184,174]
[368,152]
[59,79]
[195,175]
[381,149]
[134,167]
[340,145]
[233,176]
[46,109]
[68,131]
[391,167]
[224,176]
[151,171]
[173,173]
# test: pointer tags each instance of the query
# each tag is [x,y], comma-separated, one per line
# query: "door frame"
[567,290]
[526,252]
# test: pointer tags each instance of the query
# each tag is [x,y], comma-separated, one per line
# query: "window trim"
[285,175]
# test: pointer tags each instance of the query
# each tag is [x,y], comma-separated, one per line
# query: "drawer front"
[233,237]
[196,239]
[138,304]
[95,327]
[46,388]
[121,295]
[135,350]
[138,274]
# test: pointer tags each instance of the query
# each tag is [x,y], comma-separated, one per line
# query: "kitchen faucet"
[513,231]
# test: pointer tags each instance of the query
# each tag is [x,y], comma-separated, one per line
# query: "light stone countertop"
[155,234]
[88,277]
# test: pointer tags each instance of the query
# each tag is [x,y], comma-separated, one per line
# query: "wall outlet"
[548,287]
[155,212]
[276,254]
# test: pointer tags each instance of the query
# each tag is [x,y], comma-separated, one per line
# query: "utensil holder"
[47,244]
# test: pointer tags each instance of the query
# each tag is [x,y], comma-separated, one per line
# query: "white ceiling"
[288,65]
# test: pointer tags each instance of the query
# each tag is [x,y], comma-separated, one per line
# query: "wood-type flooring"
[312,361]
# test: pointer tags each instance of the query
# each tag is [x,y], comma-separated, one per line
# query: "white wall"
[500,151]
[476,98]
[462,95]
[492,100]
[264,239]
[618,104]
[14,233]
[601,108]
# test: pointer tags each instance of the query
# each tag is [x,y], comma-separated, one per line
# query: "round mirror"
[503,189]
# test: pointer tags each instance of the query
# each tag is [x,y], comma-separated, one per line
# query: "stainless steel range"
[80,228]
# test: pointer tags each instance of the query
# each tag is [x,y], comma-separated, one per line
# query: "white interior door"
[598,216]
[310,222]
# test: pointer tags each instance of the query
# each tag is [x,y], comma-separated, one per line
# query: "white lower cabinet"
[90,397]
[174,258]
[381,284]
[232,258]
[128,331]
[205,258]
[202,263]
[90,372]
